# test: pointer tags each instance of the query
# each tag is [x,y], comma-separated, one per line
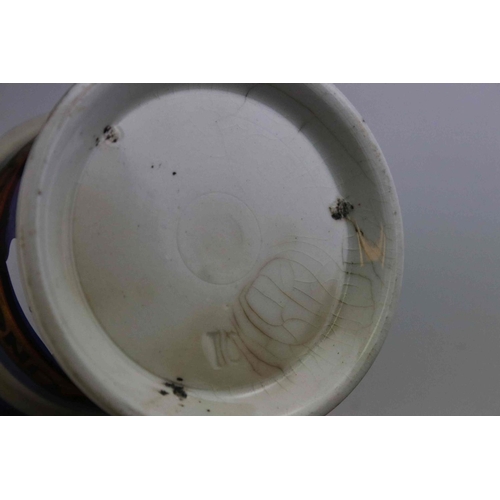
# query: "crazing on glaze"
[199,252]
[296,298]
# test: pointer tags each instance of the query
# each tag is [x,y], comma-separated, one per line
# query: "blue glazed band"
[7,410]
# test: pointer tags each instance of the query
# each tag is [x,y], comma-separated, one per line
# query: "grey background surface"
[442,144]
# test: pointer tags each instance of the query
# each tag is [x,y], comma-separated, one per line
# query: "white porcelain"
[210,249]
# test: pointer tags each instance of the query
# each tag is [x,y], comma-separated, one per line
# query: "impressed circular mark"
[218,238]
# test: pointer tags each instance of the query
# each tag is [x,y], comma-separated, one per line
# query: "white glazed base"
[180,252]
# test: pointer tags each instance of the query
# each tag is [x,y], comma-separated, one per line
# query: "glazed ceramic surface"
[210,249]
[31,382]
